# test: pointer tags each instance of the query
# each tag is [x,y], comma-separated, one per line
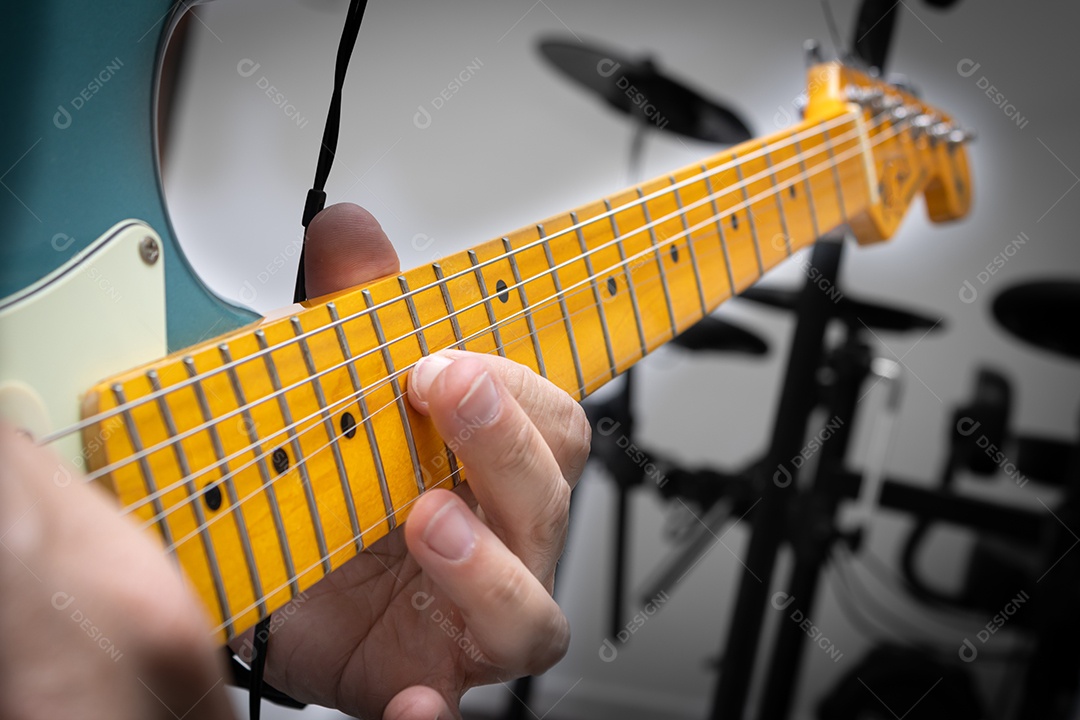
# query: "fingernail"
[425,372]
[449,533]
[481,403]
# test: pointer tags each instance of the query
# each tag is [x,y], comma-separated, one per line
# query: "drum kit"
[1018,551]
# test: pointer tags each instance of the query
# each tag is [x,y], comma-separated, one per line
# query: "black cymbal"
[637,88]
[1043,314]
[715,335]
[855,312]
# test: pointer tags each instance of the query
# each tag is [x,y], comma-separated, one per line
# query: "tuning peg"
[812,52]
[922,123]
[961,135]
[900,113]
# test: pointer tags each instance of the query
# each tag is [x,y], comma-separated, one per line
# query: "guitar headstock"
[912,147]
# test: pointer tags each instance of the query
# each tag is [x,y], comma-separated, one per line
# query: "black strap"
[316,197]
[258,667]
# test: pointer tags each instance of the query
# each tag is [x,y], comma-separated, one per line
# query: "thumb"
[419,703]
[345,247]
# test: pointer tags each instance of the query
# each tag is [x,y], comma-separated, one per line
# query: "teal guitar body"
[79,150]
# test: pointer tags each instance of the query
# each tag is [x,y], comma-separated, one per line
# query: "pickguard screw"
[149,250]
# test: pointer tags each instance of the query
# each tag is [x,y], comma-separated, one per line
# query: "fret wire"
[659,264]
[264,469]
[690,247]
[596,294]
[388,361]
[294,441]
[452,314]
[487,303]
[403,284]
[629,281]
[836,176]
[200,516]
[779,203]
[227,481]
[529,323]
[809,191]
[144,465]
[365,416]
[448,301]
[749,214]
[331,434]
[565,313]
[720,230]
[87,421]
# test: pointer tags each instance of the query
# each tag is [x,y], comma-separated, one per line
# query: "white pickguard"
[98,315]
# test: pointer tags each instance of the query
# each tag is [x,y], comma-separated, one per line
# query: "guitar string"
[551,271]
[316,425]
[523,338]
[581,286]
[512,318]
[668,190]
[239,410]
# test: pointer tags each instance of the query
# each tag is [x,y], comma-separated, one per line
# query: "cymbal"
[712,334]
[1043,314]
[874,315]
[637,88]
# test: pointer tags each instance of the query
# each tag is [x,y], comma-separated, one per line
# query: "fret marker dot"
[791,190]
[212,496]
[501,291]
[280,460]
[348,425]
[734,222]
[674,253]
[611,286]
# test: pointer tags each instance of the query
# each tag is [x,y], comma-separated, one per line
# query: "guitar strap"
[316,197]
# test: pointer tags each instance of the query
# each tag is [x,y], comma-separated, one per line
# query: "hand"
[94,622]
[461,595]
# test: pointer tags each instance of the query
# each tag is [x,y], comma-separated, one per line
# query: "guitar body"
[81,193]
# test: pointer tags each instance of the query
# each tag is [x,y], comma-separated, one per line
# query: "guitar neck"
[270,456]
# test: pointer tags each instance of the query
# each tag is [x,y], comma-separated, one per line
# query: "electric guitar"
[269,455]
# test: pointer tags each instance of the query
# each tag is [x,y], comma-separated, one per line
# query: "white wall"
[517,144]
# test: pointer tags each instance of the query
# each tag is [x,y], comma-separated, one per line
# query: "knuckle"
[516,454]
[579,442]
[551,645]
[508,590]
[549,533]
